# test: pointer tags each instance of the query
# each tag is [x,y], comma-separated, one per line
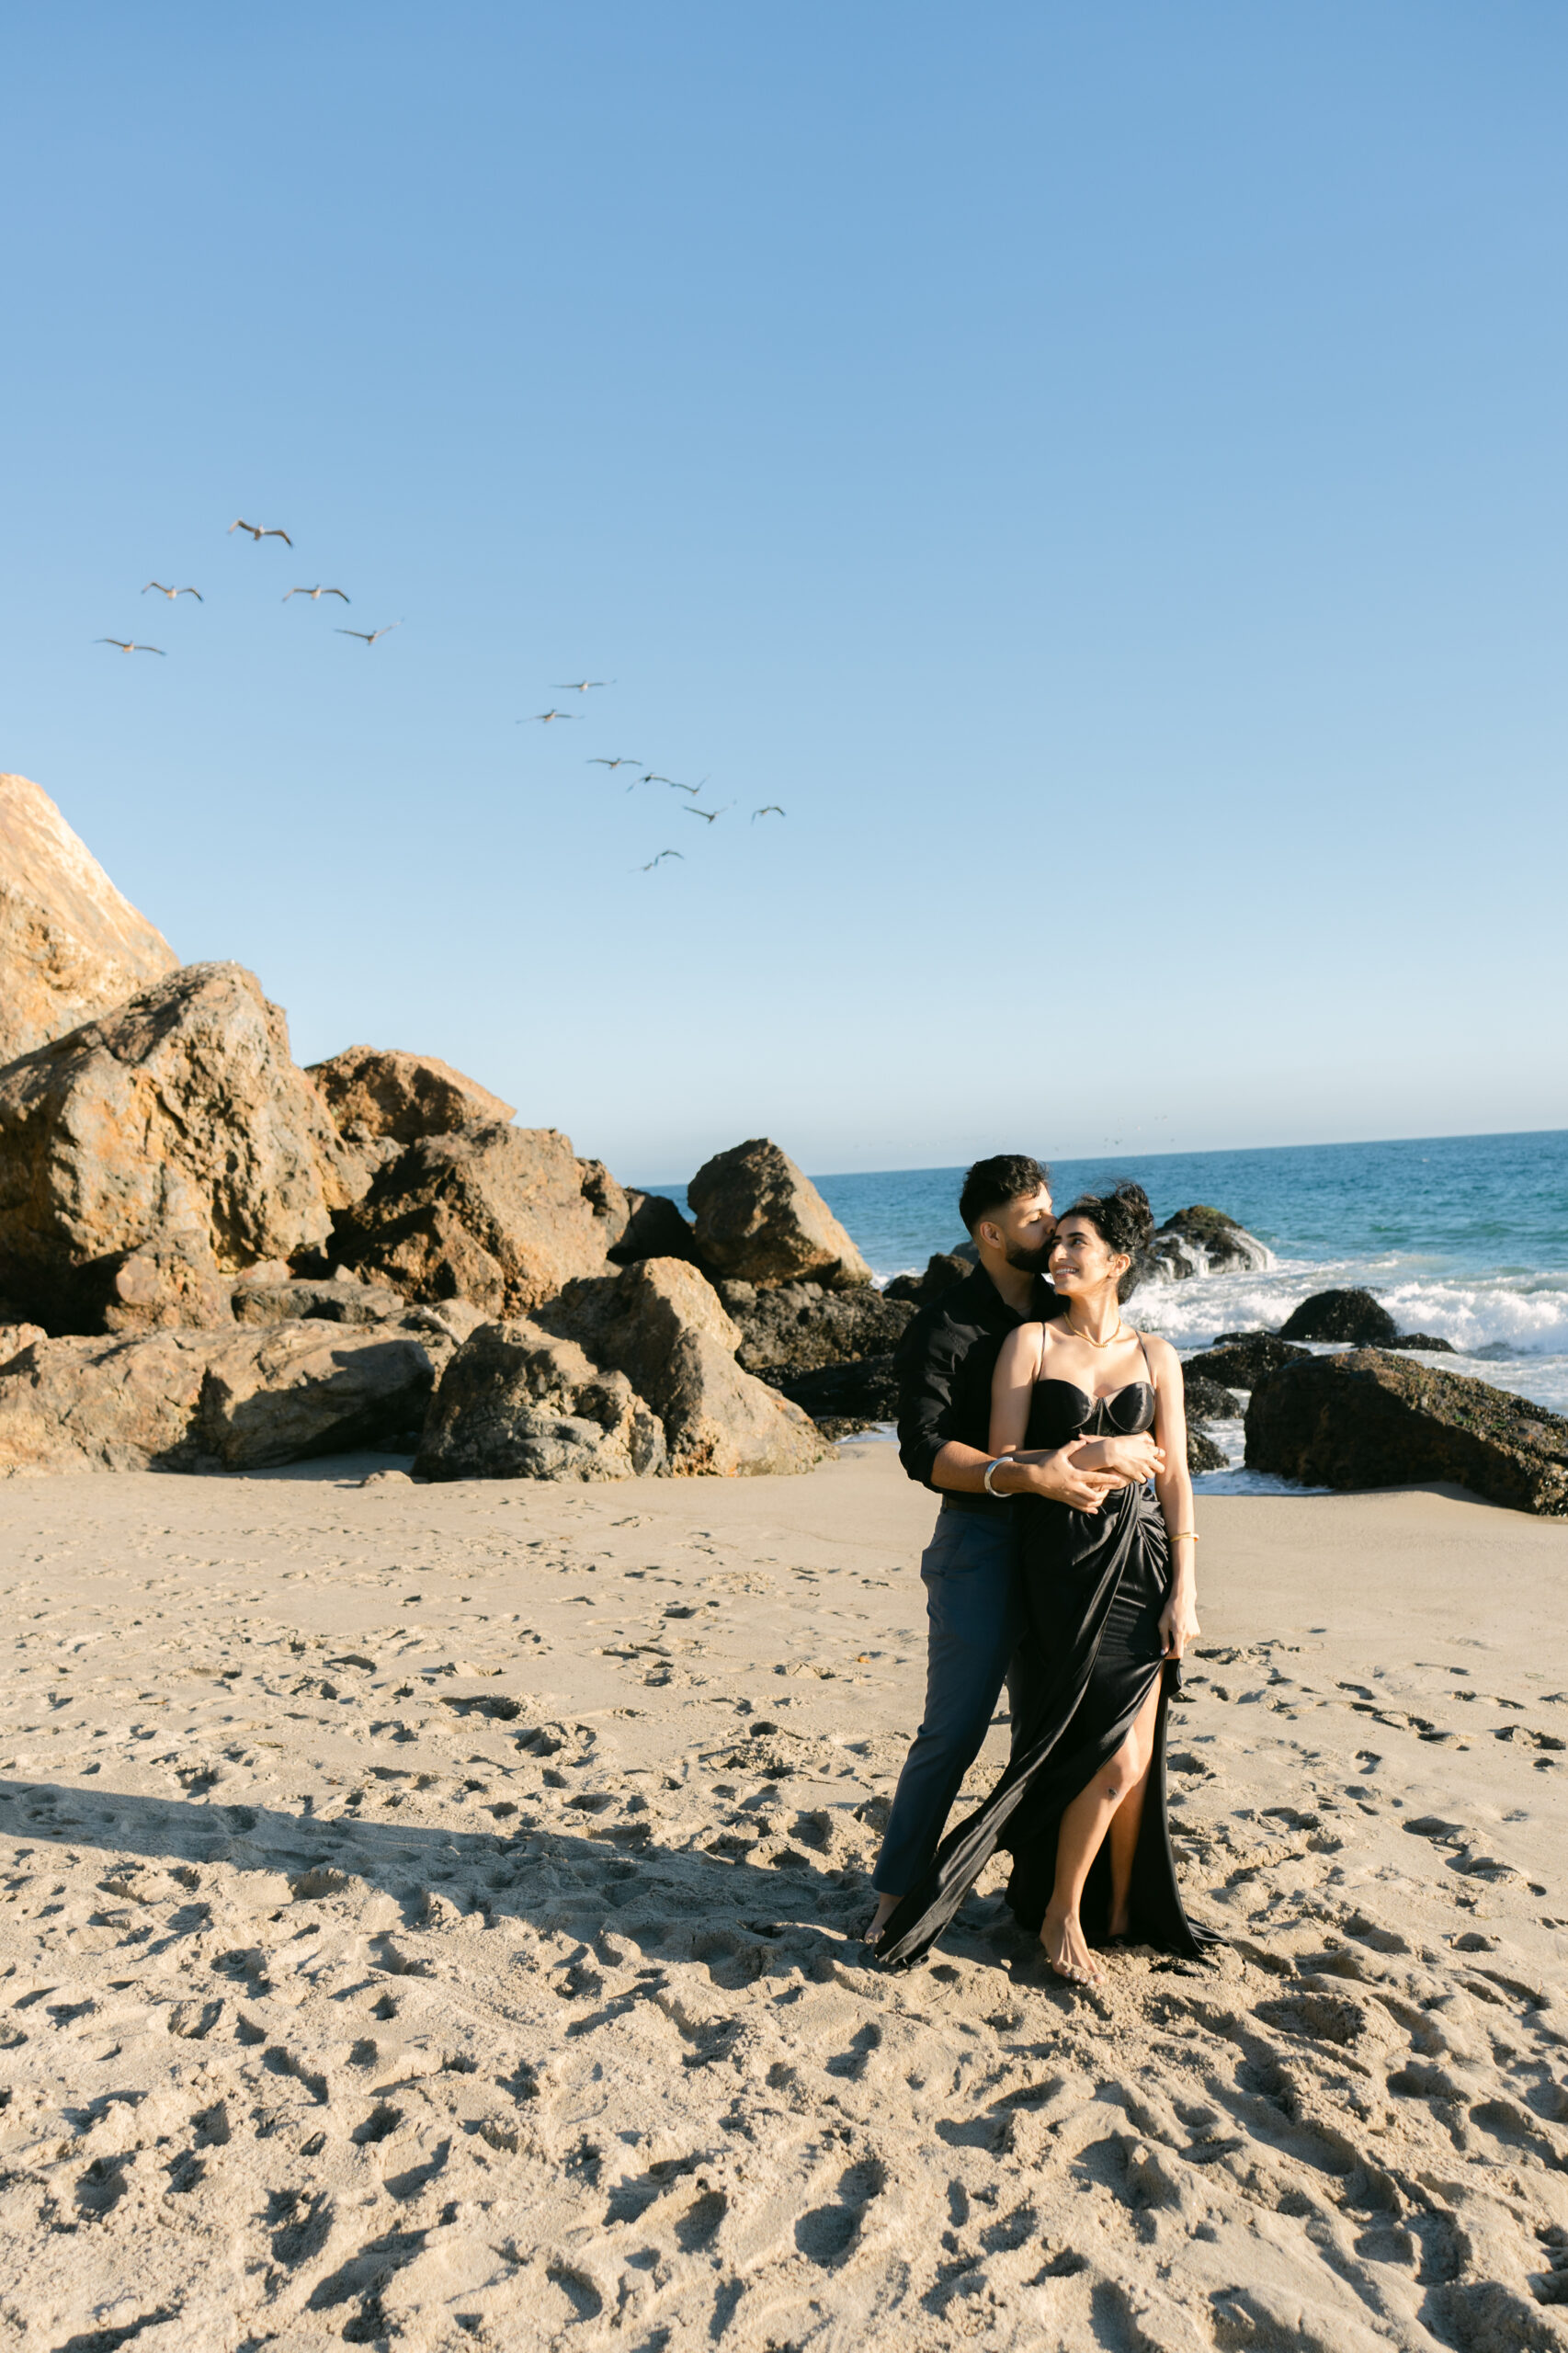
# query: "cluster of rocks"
[213,1259]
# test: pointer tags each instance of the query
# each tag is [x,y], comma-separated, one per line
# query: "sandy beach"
[430,1920]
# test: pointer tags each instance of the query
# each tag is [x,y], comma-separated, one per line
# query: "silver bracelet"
[991,1470]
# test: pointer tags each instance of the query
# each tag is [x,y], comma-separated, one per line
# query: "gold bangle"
[1183,1535]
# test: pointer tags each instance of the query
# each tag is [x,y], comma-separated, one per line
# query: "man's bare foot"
[1061,1939]
[886,1907]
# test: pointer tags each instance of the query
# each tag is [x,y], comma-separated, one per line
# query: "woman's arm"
[1172,1484]
[1012,1387]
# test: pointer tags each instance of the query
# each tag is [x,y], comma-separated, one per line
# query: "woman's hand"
[1131,1458]
[1179,1621]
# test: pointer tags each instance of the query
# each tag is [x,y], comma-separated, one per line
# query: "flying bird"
[126,645]
[706,816]
[660,859]
[772,810]
[258,532]
[544,717]
[625,761]
[652,778]
[171,593]
[315,594]
[370,635]
[578,686]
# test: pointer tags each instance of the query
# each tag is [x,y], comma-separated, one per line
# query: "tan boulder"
[518,1403]
[14,1337]
[373,1091]
[495,1215]
[161,1285]
[177,1119]
[209,1401]
[70,945]
[664,1326]
[761,1219]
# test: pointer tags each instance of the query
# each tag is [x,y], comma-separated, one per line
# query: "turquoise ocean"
[1465,1237]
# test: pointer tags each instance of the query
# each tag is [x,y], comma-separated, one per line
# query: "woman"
[1111,1605]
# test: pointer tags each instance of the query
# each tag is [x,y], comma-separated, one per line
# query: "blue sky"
[1102,470]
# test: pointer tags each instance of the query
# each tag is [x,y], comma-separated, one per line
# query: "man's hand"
[1061,1478]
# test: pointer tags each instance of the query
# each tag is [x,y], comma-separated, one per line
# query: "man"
[945,1364]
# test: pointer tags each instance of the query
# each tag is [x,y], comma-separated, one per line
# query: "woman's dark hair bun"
[1122,1217]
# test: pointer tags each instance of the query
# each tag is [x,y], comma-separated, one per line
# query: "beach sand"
[430,1919]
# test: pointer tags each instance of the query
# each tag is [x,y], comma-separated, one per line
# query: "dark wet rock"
[516,1402]
[1370,1419]
[1424,1341]
[863,1393]
[1202,1453]
[1353,1315]
[760,1218]
[1242,1361]
[943,1269]
[654,1229]
[797,1327]
[1207,1401]
[1200,1241]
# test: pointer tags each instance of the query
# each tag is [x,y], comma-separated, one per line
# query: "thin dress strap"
[1147,1365]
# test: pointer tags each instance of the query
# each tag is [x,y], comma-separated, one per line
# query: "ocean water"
[1465,1237]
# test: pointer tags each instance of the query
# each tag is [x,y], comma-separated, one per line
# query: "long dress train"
[1094,1586]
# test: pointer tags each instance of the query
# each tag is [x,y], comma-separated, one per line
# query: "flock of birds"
[542,717]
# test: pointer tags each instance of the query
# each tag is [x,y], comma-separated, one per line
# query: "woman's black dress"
[1094,1586]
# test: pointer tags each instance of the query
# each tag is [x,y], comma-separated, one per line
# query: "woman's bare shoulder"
[1163,1358]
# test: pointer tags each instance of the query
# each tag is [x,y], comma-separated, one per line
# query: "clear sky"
[1101,470]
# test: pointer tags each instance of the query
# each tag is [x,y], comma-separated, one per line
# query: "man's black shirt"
[944,1365]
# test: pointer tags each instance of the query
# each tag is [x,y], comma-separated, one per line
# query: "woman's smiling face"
[1081,1259]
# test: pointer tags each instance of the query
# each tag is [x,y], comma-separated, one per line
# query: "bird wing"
[160,588]
[238,525]
[149,649]
[191,592]
[337,592]
[121,641]
[352,632]
[294,592]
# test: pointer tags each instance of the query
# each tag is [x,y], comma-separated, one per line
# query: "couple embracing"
[1063,1562]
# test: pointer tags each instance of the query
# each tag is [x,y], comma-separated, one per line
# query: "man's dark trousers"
[974,1620]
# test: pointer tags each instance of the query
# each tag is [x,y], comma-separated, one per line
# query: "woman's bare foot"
[1061,1939]
[886,1907]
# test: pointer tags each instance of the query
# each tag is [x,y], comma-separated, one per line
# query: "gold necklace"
[1117,1334]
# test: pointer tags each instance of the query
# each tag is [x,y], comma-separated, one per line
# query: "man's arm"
[961,1470]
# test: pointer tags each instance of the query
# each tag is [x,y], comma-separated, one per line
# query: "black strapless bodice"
[1059,1411]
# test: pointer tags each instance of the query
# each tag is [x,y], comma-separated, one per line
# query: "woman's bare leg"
[1127,1820]
[1078,1840]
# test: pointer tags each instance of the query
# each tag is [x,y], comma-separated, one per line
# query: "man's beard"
[1029,1262]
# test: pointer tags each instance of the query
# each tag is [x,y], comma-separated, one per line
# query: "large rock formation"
[1203,1241]
[842,1397]
[497,1215]
[518,1403]
[1353,1315]
[209,1401]
[761,1219]
[377,1093]
[178,1121]
[1367,1419]
[1208,1401]
[662,1324]
[70,945]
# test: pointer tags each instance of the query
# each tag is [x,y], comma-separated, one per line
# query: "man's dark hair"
[992,1184]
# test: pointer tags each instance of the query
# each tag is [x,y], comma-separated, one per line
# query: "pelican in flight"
[126,645]
[660,859]
[706,816]
[625,761]
[578,686]
[316,593]
[544,717]
[772,810]
[652,778]
[171,593]
[370,635]
[258,532]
